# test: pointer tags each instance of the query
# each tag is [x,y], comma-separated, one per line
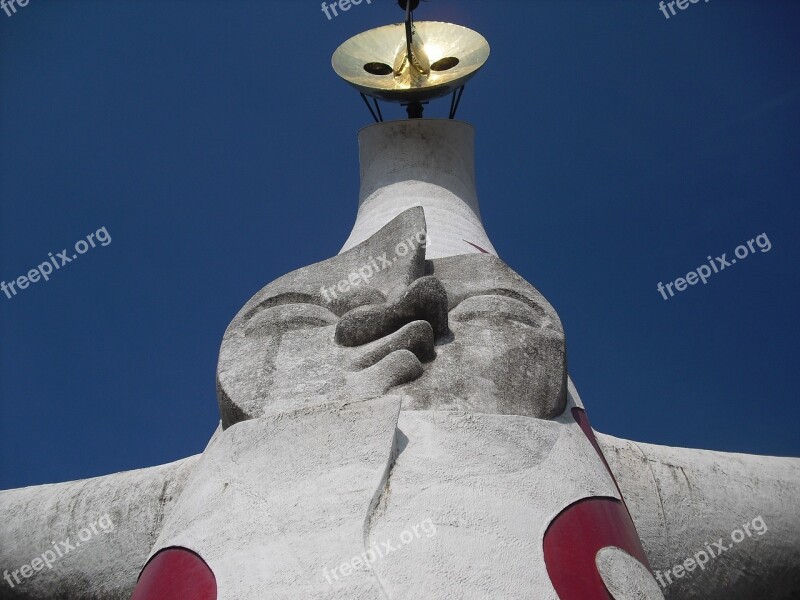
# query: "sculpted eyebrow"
[281,299]
[537,308]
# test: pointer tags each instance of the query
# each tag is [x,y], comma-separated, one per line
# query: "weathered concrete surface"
[502,350]
[491,484]
[323,486]
[625,577]
[683,500]
[476,351]
[106,565]
[507,352]
[266,361]
[424,300]
[302,486]
[421,162]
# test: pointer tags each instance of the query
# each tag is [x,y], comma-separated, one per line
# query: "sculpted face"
[462,333]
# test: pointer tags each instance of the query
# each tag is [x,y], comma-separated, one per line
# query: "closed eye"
[280,299]
[500,308]
[289,317]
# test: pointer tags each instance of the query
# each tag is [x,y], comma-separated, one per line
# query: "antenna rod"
[414,108]
[409,33]
[372,112]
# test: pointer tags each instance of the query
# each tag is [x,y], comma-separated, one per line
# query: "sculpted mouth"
[396,368]
[416,337]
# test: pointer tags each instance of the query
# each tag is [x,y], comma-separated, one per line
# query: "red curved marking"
[574,538]
[581,530]
[176,574]
[478,247]
[583,421]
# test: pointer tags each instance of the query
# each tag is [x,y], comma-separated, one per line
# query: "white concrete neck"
[421,162]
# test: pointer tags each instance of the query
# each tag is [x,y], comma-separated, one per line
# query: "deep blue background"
[615,149]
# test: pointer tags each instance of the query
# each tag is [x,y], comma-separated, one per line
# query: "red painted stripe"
[176,574]
[582,419]
[581,530]
[573,540]
[478,247]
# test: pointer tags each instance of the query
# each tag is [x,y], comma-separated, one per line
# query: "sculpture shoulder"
[87,538]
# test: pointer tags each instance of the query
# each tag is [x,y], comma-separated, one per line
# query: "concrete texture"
[104,566]
[625,577]
[507,352]
[683,500]
[265,364]
[500,350]
[421,162]
[474,350]
[301,486]
[315,488]
[490,484]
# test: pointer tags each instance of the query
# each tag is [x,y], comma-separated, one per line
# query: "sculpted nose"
[424,300]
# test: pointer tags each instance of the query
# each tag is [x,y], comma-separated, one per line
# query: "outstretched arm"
[85,539]
[714,525]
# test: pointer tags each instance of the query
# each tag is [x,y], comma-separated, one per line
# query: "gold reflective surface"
[444,57]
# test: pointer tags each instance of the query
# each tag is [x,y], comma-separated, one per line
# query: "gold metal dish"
[444,57]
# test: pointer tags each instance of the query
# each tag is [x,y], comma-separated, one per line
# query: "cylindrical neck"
[421,162]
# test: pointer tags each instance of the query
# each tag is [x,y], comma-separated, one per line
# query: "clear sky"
[616,149]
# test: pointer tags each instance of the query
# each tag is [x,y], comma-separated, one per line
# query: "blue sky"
[616,149]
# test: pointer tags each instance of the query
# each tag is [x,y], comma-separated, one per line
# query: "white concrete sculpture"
[410,432]
[397,422]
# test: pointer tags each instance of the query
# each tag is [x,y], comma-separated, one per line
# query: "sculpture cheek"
[176,573]
[531,372]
